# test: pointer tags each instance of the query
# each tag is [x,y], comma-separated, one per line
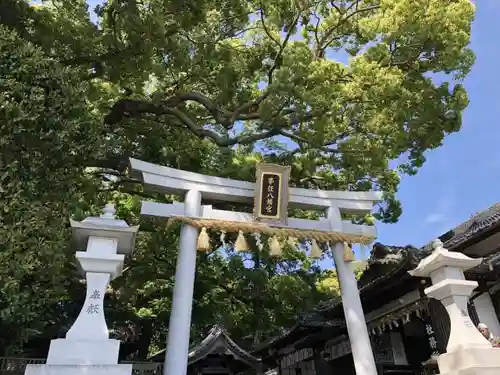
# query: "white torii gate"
[194,186]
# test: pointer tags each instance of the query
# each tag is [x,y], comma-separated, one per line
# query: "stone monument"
[467,352]
[87,347]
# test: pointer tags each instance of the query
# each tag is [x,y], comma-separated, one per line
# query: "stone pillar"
[87,347]
[486,313]
[364,361]
[468,352]
[176,358]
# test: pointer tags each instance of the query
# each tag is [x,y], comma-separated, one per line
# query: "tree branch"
[127,191]
[221,116]
[80,60]
[299,139]
[117,163]
[266,30]
[134,108]
[405,63]
[277,60]
[122,177]
[327,38]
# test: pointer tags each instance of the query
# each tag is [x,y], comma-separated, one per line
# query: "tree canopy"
[351,94]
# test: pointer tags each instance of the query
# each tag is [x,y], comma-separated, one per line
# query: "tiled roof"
[465,226]
[216,338]
[476,226]
[384,262]
[469,229]
[296,328]
[315,319]
[305,323]
[489,264]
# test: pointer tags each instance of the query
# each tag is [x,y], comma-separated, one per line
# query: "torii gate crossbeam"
[196,186]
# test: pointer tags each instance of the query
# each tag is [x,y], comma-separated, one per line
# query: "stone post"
[87,347]
[468,352]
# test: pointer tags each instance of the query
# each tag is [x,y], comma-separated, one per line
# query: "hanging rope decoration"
[275,235]
[292,243]
[274,247]
[315,250]
[203,240]
[348,253]
[241,243]
[397,317]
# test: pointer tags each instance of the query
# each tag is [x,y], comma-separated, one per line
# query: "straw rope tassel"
[203,240]
[292,242]
[275,247]
[253,227]
[241,243]
[315,250]
[348,253]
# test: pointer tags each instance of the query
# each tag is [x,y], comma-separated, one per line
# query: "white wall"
[486,313]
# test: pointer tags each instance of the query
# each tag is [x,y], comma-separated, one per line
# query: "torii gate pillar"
[361,348]
[179,327]
[193,186]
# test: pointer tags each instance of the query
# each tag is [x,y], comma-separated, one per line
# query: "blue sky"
[459,179]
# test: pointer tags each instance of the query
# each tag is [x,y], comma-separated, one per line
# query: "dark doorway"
[342,366]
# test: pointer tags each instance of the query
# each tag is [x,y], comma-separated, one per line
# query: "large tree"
[337,89]
[45,130]
[343,91]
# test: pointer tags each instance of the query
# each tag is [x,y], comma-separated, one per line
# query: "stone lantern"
[468,352]
[87,347]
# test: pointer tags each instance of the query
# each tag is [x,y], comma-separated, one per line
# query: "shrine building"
[406,328]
